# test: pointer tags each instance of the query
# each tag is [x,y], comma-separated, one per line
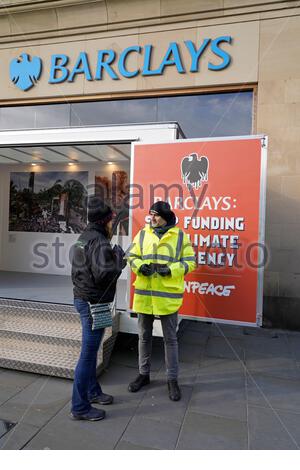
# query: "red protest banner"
[215,189]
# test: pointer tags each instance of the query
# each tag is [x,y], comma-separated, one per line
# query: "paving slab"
[220,396]
[197,338]
[273,392]
[203,431]
[157,405]
[187,374]
[116,378]
[275,347]
[18,437]
[38,402]
[294,345]
[224,372]
[263,332]
[227,331]
[152,433]
[227,348]
[191,353]
[222,366]
[15,378]
[280,367]
[6,393]
[125,445]
[75,441]
[63,433]
[272,429]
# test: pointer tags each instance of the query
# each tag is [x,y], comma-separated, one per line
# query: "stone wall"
[43,25]
[278,116]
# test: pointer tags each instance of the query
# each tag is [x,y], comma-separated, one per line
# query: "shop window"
[211,115]
[34,117]
[199,115]
[100,113]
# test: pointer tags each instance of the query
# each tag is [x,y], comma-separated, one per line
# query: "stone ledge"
[40,18]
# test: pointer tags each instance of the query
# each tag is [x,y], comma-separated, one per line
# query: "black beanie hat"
[163,209]
[98,211]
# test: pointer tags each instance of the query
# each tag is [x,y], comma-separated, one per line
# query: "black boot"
[174,390]
[138,383]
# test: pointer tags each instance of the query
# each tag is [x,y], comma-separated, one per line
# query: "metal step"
[45,338]
[40,322]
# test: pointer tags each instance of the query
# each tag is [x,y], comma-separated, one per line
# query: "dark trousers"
[85,381]
[169,325]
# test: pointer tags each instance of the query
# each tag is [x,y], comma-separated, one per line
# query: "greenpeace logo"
[206,288]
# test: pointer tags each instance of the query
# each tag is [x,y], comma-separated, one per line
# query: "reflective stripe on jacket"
[160,295]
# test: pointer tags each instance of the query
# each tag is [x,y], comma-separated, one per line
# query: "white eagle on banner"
[194,170]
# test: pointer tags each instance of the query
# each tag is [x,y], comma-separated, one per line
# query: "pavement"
[240,387]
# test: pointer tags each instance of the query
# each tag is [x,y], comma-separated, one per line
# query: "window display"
[115,190]
[51,201]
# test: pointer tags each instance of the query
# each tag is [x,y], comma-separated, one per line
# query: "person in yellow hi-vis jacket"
[160,256]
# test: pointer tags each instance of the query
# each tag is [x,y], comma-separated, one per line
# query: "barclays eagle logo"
[194,170]
[25,72]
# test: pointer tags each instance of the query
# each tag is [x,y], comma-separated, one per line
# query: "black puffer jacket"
[95,270]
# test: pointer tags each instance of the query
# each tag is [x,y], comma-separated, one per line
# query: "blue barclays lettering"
[220,53]
[115,66]
[122,61]
[196,54]
[81,66]
[105,58]
[147,62]
[58,64]
[172,57]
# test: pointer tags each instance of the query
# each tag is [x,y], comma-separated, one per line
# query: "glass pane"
[205,115]
[53,115]
[214,115]
[17,117]
[30,117]
[114,112]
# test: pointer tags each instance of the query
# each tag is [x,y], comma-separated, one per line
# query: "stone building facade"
[264,51]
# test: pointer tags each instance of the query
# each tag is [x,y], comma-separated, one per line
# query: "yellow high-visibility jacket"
[160,295]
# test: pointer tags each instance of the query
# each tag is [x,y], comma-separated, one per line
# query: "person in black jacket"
[95,271]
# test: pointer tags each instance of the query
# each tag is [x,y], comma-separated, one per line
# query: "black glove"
[147,269]
[163,269]
[119,254]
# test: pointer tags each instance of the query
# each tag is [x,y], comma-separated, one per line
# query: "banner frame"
[261,223]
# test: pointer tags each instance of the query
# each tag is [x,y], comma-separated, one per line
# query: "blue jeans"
[85,381]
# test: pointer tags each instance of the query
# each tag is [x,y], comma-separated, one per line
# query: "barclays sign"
[26,71]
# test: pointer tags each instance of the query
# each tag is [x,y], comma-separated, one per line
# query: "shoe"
[174,390]
[138,383]
[103,399]
[92,415]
